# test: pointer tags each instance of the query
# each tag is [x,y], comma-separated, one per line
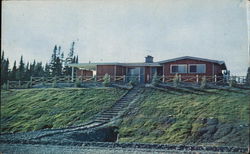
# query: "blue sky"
[127,31]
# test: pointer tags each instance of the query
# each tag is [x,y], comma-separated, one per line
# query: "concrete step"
[112,112]
[119,105]
[101,121]
[107,113]
[106,116]
[104,119]
[117,109]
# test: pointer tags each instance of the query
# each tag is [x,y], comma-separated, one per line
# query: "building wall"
[120,71]
[84,73]
[211,68]
[147,74]
[217,70]
[105,69]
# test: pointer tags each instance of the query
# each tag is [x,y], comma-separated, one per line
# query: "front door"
[135,73]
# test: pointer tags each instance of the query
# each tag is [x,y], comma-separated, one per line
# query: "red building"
[81,72]
[184,66]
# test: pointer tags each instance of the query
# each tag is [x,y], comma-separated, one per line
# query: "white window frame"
[205,68]
[178,65]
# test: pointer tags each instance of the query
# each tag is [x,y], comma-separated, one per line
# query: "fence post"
[31,80]
[163,78]
[197,78]
[124,78]
[19,84]
[68,79]
[215,78]
[43,80]
[180,78]
[139,78]
[95,78]
[8,85]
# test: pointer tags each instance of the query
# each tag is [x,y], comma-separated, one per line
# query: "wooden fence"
[18,84]
[83,79]
[198,78]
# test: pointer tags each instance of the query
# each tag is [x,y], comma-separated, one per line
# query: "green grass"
[147,123]
[35,109]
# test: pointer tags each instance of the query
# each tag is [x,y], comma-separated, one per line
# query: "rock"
[223,130]
[212,121]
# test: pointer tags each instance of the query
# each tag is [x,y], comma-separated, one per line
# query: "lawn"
[35,109]
[161,117]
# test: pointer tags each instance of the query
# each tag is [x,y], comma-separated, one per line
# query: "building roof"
[91,65]
[141,64]
[156,64]
[193,58]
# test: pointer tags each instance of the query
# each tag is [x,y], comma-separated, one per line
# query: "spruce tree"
[53,61]
[70,59]
[2,68]
[32,68]
[47,70]
[77,59]
[27,72]
[14,72]
[21,70]
[39,69]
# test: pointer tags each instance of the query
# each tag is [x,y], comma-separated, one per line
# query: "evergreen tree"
[53,61]
[39,72]
[27,72]
[4,69]
[58,66]
[47,70]
[77,59]
[72,50]
[74,60]
[21,70]
[70,59]
[13,76]
[32,68]
[56,62]
[2,57]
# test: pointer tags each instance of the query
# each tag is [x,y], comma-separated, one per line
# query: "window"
[197,68]
[193,69]
[153,71]
[179,68]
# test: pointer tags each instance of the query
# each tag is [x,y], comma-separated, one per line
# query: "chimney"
[149,59]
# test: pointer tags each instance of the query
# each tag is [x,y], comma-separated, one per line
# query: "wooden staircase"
[118,107]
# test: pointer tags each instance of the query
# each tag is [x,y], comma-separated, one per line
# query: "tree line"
[23,71]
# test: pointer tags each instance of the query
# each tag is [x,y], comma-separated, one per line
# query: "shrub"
[232,82]
[77,83]
[106,80]
[155,80]
[203,82]
[176,80]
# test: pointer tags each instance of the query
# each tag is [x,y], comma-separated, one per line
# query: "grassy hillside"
[35,109]
[216,116]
